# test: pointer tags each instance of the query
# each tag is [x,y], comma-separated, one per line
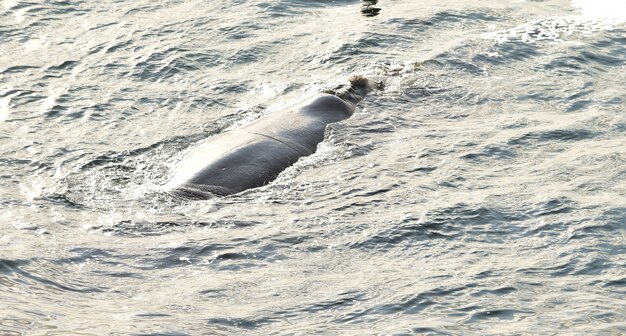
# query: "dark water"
[482,192]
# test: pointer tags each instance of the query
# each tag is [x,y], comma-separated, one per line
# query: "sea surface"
[482,192]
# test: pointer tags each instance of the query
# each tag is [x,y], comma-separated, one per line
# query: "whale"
[254,155]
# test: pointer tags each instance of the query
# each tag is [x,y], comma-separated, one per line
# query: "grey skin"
[255,154]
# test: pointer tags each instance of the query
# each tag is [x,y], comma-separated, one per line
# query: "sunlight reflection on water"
[598,9]
[482,192]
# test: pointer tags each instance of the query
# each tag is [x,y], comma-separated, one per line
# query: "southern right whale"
[254,155]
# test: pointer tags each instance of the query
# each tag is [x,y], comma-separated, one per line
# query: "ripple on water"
[461,221]
[610,222]
[233,256]
[290,8]
[490,153]
[550,136]
[166,63]
[42,282]
[444,20]
[481,193]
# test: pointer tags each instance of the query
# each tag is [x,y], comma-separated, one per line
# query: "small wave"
[446,20]
[550,136]
[43,283]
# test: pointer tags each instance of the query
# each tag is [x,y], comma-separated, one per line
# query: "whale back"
[255,154]
[230,164]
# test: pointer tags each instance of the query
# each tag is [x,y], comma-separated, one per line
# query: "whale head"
[358,88]
[361,85]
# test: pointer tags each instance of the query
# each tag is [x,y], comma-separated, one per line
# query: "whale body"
[254,155]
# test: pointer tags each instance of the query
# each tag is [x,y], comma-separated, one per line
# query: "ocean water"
[482,192]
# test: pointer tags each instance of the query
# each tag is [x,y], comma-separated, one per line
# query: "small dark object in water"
[368,9]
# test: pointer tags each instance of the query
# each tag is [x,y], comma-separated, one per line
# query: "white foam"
[552,29]
[595,15]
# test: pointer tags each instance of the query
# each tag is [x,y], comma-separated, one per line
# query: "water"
[482,192]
